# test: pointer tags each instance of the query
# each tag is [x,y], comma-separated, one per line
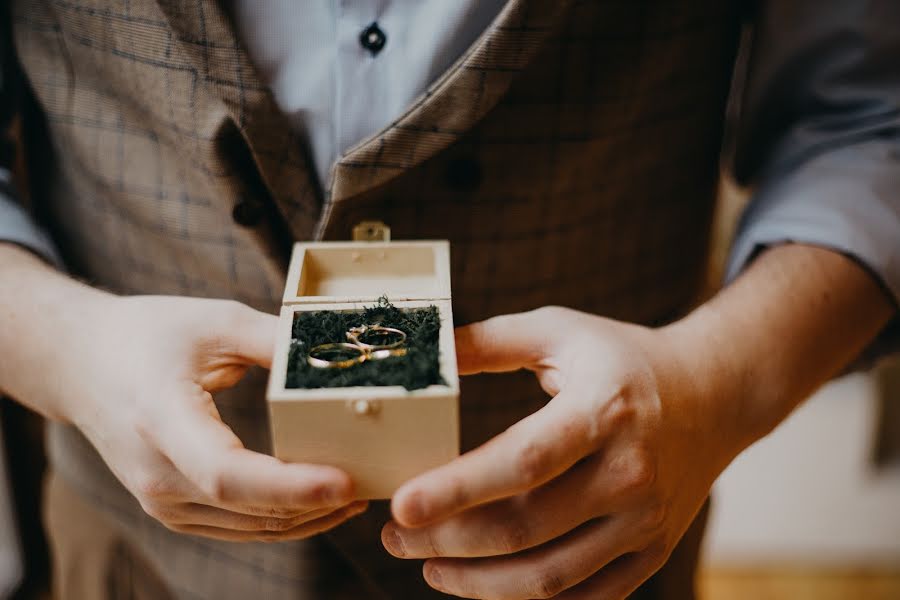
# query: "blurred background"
[813,510]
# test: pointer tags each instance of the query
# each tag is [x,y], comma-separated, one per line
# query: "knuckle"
[278,524]
[215,486]
[643,474]
[433,545]
[576,427]
[531,463]
[655,516]
[513,537]
[547,585]
[618,412]
[636,473]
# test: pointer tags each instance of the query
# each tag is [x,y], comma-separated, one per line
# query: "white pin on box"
[381,435]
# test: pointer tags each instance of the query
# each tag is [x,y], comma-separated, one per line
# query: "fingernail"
[434,578]
[393,542]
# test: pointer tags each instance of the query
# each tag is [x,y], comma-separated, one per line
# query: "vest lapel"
[206,35]
[451,106]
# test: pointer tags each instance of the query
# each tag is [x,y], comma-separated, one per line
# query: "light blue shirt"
[336,91]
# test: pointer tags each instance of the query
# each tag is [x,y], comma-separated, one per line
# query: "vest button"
[247,213]
[373,38]
[464,174]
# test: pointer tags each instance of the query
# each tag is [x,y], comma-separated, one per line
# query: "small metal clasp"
[364,408]
[371,231]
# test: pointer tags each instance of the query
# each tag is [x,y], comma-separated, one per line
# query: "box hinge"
[371,231]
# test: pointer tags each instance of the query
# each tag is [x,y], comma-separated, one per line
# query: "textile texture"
[570,157]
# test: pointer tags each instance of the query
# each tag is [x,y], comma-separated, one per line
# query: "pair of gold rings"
[366,342]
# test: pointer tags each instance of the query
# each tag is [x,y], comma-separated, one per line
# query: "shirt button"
[247,213]
[373,38]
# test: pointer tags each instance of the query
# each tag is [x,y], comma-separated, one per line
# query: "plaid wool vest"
[570,156]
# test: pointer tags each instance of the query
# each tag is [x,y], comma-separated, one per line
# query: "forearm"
[44,316]
[796,318]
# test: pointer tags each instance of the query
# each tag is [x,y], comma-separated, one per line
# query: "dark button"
[464,174]
[373,38]
[247,213]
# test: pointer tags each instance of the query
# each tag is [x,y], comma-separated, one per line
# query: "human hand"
[585,498]
[140,391]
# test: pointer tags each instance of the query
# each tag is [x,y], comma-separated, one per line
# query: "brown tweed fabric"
[570,157]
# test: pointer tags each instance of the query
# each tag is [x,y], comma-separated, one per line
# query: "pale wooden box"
[381,435]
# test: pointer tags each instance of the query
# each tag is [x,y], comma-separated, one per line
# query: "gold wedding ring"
[332,356]
[385,353]
[376,337]
[360,348]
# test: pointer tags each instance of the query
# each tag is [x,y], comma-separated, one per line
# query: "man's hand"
[136,376]
[144,400]
[587,497]
[606,475]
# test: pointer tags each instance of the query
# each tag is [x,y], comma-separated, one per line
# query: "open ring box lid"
[381,436]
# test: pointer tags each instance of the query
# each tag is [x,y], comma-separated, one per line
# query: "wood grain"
[398,434]
[792,584]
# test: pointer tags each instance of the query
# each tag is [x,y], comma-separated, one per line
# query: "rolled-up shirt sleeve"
[818,138]
[846,199]
[16,224]
[17,227]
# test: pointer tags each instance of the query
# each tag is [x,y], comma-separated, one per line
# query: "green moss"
[418,369]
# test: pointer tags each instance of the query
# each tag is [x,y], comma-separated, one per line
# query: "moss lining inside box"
[418,369]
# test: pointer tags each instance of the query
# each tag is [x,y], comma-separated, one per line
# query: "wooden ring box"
[381,436]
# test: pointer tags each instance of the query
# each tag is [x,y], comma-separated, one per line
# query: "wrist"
[714,375]
[83,355]
[47,326]
[793,320]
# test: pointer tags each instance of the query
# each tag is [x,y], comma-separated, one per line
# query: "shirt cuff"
[846,200]
[17,227]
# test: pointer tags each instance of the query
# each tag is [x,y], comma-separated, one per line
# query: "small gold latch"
[371,231]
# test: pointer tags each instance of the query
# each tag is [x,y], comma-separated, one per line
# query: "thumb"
[504,343]
[249,334]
